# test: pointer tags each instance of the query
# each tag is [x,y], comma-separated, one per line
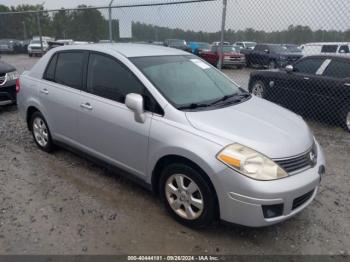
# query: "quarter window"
[338,69]
[344,49]
[308,66]
[110,79]
[69,69]
[50,70]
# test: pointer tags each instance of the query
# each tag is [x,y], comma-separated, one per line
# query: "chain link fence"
[310,38]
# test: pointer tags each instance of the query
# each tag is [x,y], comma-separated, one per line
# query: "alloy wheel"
[184,196]
[40,132]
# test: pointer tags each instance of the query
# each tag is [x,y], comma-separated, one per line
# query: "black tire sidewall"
[209,196]
[49,145]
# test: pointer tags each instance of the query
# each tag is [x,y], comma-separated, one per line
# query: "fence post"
[110,21]
[224,7]
[39,31]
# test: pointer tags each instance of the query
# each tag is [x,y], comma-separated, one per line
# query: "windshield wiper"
[238,97]
[193,106]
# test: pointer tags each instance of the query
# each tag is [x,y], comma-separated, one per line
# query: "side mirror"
[289,68]
[135,103]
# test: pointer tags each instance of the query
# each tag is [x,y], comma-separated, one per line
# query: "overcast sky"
[266,15]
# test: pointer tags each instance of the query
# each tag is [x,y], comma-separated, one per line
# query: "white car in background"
[34,47]
[326,48]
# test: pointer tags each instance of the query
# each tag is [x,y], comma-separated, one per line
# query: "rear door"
[107,127]
[60,94]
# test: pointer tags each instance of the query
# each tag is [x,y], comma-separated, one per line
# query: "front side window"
[309,65]
[110,79]
[186,80]
[69,69]
[338,69]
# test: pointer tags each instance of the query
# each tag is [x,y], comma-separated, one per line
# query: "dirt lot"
[62,204]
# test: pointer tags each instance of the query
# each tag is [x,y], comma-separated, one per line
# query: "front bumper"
[8,93]
[237,62]
[244,201]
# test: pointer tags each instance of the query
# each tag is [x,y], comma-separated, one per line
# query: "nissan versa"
[179,126]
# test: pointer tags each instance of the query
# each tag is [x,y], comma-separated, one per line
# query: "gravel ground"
[62,204]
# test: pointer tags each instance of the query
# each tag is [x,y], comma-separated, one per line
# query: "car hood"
[4,68]
[258,124]
[289,54]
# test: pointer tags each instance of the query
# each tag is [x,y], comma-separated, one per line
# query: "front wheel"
[345,118]
[258,89]
[188,197]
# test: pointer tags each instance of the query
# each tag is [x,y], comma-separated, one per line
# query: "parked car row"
[13,46]
[316,86]
[205,146]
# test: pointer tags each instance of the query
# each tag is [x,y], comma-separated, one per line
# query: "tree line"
[87,24]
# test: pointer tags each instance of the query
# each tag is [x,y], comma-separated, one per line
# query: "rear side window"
[329,49]
[69,69]
[338,69]
[50,70]
[309,65]
[110,79]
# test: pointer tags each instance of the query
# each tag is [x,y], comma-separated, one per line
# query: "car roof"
[342,56]
[328,43]
[127,49]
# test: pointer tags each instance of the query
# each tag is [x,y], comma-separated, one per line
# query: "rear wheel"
[41,132]
[187,196]
[258,89]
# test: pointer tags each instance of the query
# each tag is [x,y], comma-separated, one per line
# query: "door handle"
[306,78]
[347,84]
[86,106]
[44,91]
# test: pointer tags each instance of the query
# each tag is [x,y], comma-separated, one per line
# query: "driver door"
[107,128]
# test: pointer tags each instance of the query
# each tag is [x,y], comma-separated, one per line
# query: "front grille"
[292,165]
[2,78]
[302,199]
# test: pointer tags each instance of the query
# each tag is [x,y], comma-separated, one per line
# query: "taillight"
[18,85]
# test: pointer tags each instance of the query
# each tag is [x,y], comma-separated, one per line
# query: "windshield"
[204,46]
[278,48]
[186,80]
[293,49]
[250,45]
[35,42]
[177,42]
[230,48]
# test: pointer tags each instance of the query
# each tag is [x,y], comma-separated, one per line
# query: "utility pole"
[224,9]
[39,31]
[110,21]
[24,30]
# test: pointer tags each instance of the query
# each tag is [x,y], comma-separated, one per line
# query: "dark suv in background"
[8,77]
[270,55]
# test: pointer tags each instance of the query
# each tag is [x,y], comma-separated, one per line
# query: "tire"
[239,67]
[30,55]
[272,64]
[194,203]
[345,119]
[41,132]
[258,89]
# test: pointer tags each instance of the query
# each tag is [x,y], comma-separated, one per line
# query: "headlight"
[250,163]
[12,76]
